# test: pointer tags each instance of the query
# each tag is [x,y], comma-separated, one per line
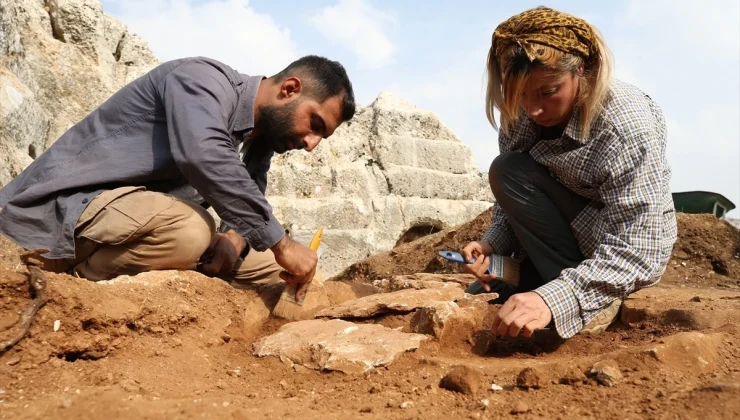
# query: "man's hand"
[223,253]
[299,263]
[480,251]
[523,312]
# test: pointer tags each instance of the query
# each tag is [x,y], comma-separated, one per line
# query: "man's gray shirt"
[176,128]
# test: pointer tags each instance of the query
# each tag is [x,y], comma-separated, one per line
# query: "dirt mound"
[707,252]
[419,256]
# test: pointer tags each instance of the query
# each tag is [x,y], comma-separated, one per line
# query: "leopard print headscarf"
[545,26]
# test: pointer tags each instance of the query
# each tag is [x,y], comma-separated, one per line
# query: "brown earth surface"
[178,345]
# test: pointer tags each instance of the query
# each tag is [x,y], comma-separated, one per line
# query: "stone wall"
[391,169]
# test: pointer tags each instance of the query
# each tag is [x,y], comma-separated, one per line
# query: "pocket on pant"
[126,218]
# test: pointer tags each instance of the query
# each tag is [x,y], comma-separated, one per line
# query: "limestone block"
[389,222]
[423,153]
[401,301]
[339,248]
[450,212]
[355,179]
[426,183]
[331,213]
[295,179]
[395,116]
[337,345]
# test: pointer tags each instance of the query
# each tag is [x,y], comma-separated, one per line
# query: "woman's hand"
[522,313]
[480,251]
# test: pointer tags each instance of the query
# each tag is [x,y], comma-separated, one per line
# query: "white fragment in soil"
[225,404]
[495,387]
[407,404]
[57,325]
[350,329]
[484,402]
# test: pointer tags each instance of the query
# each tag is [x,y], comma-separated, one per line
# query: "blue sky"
[685,54]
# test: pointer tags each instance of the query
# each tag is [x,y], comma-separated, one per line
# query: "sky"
[684,54]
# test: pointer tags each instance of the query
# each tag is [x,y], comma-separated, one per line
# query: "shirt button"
[84,201]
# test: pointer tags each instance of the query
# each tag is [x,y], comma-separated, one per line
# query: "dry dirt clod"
[606,372]
[14,360]
[573,376]
[530,378]
[520,408]
[366,410]
[461,379]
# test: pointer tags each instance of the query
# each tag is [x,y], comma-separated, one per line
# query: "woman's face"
[549,98]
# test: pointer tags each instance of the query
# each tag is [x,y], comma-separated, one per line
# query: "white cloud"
[359,27]
[227,30]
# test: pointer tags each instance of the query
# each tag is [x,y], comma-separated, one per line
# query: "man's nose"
[311,141]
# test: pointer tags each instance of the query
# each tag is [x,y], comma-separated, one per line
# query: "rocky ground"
[392,337]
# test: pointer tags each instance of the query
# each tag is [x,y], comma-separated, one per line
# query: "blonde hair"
[508,73]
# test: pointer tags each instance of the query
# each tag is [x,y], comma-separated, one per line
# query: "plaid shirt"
[628,230]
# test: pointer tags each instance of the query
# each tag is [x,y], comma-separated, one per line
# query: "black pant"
[540,210]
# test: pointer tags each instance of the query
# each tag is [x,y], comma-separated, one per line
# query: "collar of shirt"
[245,107]
[572,130]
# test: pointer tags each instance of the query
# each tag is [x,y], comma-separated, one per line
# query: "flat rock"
[336,345]
[447,319]
[410,282]
[461,279]
[401,301]
[690,351]
[683,307]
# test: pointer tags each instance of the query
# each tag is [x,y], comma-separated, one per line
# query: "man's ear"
[292,86]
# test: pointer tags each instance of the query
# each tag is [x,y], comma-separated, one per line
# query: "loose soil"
[177,345]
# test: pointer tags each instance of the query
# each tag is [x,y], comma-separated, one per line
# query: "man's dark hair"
[322,79]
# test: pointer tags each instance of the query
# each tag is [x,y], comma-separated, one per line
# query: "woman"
[581,184]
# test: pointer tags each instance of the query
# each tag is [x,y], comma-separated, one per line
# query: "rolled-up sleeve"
[198,100]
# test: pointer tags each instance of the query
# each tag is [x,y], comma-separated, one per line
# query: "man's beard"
[274,128]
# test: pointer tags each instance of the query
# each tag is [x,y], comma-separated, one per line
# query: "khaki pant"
[130,230]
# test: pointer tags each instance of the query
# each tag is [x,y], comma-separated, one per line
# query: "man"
[126,189]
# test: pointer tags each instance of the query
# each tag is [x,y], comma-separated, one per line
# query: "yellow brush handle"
[316,241]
